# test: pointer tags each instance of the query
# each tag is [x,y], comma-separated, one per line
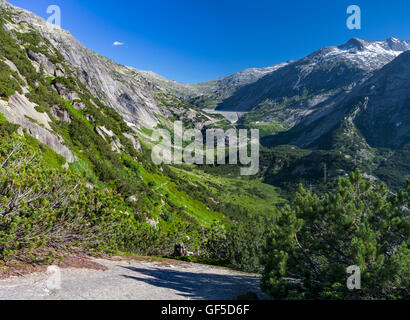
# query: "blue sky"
[198,40]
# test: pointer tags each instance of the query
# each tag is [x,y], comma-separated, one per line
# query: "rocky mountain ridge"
[209,95]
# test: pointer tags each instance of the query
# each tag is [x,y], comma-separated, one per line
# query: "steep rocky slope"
[138,100]
[328,100]
[33,50]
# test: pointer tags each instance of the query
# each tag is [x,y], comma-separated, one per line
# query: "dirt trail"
[137,279]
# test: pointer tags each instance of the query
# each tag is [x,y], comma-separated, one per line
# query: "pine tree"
[359,224]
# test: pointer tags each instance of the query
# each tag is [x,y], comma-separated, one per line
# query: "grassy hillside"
[254,196]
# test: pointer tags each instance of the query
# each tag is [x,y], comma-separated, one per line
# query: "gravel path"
[135,280]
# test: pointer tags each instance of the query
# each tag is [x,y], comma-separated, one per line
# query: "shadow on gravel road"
[205,286]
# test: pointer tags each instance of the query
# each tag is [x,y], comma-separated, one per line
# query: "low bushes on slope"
[46,208]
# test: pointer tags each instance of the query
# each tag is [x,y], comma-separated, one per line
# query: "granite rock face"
[21,111]
[123,88]
[140,102]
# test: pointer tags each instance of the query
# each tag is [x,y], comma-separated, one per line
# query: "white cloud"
[118,43]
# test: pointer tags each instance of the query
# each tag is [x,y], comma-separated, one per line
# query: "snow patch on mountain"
[368,55]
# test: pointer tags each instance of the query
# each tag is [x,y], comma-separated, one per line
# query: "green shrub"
[240,245]
[359,224]
[8,83]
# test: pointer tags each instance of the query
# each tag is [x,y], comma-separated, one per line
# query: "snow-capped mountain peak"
[391,44]
[364,54]
[397,44]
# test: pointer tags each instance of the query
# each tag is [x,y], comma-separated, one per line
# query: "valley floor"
[134,279]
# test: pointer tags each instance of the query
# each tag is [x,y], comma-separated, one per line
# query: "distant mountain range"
[379,108]
[365,55]
[290,90]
